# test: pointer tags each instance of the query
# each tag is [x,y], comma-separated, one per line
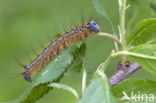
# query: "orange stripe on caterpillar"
[54,48]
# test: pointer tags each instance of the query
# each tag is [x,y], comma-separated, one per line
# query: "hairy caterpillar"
[54,48]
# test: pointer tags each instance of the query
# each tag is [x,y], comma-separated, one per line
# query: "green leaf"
[99,8]
[134,86]
[138,10]
[153,6]
[98,91]
[65,87]
[147,58]
[143,32]
[51,73]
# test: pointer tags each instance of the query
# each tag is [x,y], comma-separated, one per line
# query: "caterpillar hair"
[56,46]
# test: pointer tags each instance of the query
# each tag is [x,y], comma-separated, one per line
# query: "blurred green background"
[26,24]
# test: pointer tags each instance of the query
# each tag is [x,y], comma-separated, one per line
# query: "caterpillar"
[54,48]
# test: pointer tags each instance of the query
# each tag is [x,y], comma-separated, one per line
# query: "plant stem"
[122,11]
[122,22]
[84,80]
[123,72]
[133,54]
[110,36]
[103,66]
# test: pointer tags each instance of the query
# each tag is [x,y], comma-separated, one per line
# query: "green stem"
[110,36]
[133,54]
[84,80]
[103,66]
[122,11]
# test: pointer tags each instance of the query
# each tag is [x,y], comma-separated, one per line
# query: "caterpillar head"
[26,76]
[93,26]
